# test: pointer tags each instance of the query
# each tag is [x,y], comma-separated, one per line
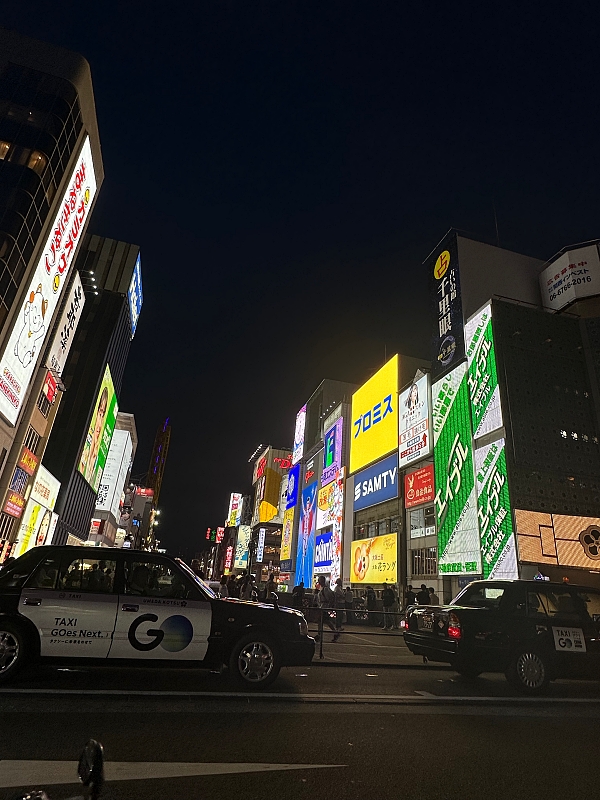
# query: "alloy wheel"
[9,650]
[531,670]
[255,661]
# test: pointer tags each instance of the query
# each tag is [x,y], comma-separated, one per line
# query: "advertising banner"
[323,555]
[45,488]
[240,560]
[559,540]
[377,483]
[135,295]
[573,275]
[102,425]
[285,556]
[486,412]
[418,487]
[306,536]
[298,449]
[234,515]
[448,337]
[414,440]
[115,472]
[375,560]
[28,461]
[14,504]
[36,526]
[332,452]
[375,417]
[260,546]
[498,554]
[34,320]
[330,513]
[65,330]
[455,494]
[293,484]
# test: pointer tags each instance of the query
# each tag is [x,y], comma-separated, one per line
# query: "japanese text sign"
[486,411]
[573,275]
[414,439]
[332,452]
[444,277]
[135,295]
[375,560]
[419,487]
[66,327]
[374,428]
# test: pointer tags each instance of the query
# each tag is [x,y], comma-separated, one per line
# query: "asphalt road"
[325,730]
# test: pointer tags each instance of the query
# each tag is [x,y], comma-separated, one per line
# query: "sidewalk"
[364,645]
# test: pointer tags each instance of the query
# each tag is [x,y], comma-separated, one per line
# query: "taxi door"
[161,613]
[70,600]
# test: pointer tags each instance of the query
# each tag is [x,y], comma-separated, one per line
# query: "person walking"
[349,605]
[271,587]
[339,603]
[389,598]
[326,601]
[434,600]
[423,596]
[411,597]
[223,590]
[298,596]
[232,587]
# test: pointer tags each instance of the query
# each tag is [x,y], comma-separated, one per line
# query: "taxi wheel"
[255,661]
[528,672]
[12,650]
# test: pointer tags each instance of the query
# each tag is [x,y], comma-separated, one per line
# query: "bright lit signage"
[330,513]
[135,295]
[306,536]
[293,484]
[28,461]
[34,319]
[414,438]
[115,472]
[228,557]
[242,545]
[14,504]
[418,487]
[220,535]
[323,552]
[573,275]
[37,523]
[332,452]
[66,327]
[45,488]
[375,417]
[448,336]
[285,556]
[299,435]
[100,432]
[50,387]
[260,548]
[234,515]
[558,540]
[455,494]
[486,412]
[376,484]
[375,560]
[498,555]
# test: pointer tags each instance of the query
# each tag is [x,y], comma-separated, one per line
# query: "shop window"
[32,439]
[44,404]
[424,561]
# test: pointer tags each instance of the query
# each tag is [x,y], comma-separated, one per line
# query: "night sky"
[286,166]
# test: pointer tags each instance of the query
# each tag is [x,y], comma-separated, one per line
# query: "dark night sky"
[286,165]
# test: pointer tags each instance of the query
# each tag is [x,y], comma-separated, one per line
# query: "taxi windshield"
[190,572]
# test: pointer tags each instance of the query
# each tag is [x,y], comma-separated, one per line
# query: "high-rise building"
[50,174]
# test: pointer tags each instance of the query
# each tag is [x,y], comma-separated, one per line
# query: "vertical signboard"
[306,536]
[135,295]
[260,547]
[448,336]
[65,330]
[240,560]
[455,494]
[234,515]
[332,452]
[499,558]
[285,555]
[293,486]
[330,513]
[102,425]
[484,391]
[115,472]
[375,417]
[414,440]
[299,436]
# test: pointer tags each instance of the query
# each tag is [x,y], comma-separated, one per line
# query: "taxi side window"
[483,597]
[591,602]
[560,602]
[535,606]
[87,574]
[155,579]
[46,575]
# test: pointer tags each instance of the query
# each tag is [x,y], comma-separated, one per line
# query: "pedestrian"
[247,587]
[232,587]
[411,597]
[271,587]
[339,604]
[298,596]
[349,605]
[434,600]
[423,596]
[326,601]
[371,601]
[389,598]
[223,590]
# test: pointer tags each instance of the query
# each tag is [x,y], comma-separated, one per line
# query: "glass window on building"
[421,522]
[424,561]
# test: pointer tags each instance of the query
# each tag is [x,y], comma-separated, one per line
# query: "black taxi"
[110,606]
[533,631]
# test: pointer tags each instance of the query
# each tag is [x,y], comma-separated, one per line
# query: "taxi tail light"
[454,629]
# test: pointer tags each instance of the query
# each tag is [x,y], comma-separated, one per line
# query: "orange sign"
[28,461]
[14,504]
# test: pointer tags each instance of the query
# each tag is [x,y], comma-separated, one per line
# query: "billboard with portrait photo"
[100,432]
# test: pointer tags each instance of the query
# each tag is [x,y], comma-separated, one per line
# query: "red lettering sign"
[418,487]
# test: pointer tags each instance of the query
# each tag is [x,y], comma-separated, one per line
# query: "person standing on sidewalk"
[411,597]
[389,598]
[339,603]
[423,596]
[326,601]
[434,600]
[349,605]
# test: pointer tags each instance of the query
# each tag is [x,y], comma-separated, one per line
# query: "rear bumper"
[298,653]
[435,649]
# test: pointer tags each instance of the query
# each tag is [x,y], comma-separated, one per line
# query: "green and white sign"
[455,496]
[494,512]
[483,378]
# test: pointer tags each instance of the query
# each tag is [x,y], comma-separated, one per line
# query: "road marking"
[425,694]
[50,773]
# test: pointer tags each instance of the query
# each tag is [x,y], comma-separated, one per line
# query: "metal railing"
[333,619]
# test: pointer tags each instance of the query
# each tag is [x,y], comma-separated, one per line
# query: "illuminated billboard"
[414,439]
[419,487]
[115,472]
[323,554]
[570,277]
[332,452]
[498,555]
[240,560]
[375,417]
[375,560]
[330,513]
[37,523]
[486,412]
[285,555]
[46,286]
[298,449]
[99,435]
[293,486]
[376,484]
[234,515]
[455,493]
[66,327]
[558,540]
[448,336]
[306,536]
[135,296]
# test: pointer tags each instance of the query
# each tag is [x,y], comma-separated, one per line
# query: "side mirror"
[91,767]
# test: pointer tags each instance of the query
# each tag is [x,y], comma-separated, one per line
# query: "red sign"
[50,387]
[14,504]
[283,463]
[144,492]
[418,487]
[228,557]
[220,535]
[28,461]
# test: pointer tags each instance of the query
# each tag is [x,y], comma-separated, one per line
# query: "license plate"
[425,622]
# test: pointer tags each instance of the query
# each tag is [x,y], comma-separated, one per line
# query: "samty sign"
[34,321]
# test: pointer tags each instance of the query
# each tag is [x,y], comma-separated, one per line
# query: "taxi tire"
[11,634]
[529,671]
[263,645]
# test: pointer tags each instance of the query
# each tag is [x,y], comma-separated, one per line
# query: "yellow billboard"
[375,560]
[375,417]
[286,535]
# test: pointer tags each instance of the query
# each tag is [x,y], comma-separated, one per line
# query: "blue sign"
[305,552]
[135,295]
[323,554]
[292,487]
[377,483]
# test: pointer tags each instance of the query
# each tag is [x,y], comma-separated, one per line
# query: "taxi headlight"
[303,625]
